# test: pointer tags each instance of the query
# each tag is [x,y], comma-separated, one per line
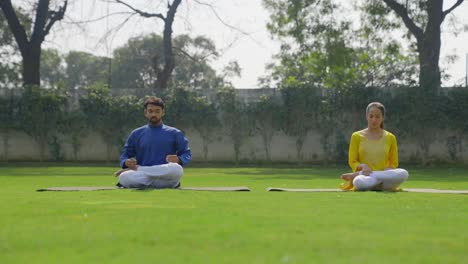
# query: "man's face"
[154,114]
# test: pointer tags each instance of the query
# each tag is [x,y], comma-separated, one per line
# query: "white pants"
[157,176]
[390,180]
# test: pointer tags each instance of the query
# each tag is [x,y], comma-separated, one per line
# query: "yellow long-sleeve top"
[378,154]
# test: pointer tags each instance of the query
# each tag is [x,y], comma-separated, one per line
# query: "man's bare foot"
[117,173]
[349,176]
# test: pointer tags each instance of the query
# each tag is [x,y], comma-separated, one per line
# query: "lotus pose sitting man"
[154,154]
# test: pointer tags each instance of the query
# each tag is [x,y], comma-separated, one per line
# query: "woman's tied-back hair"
[379,106]
[153,100]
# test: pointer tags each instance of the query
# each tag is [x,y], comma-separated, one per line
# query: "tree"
[52,68]
[426,29]
[134,63]
[234,118]
[75,70]
[75,128]
[205,121]
[423,125]
[320,47]
[8,121]
[41,113]
[193,70]
[84,69]
[30,47]
[329,120]
[456,109]
[185,109]
[385,61]
[179,108]
[111,117]
[314,48]
[9,68]
[300,111]
[162,75]
[266,114]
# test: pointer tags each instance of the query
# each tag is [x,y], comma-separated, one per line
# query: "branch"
[219,17]
[42,12]
[403,13]
[169,62]
[55,16]
[186,54]
[115,29]
[97,19]
[193,58]
[15,25]
[45,19]
[213,10]
[142,13]
[446,12]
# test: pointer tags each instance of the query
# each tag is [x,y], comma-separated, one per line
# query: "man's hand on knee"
[131,163]
[172,158]
[117,173]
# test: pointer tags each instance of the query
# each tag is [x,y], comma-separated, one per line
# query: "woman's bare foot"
[349,176]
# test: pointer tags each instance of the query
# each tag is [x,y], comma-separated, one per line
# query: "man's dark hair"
[153,100]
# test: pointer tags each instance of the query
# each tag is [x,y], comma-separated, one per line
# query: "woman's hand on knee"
[365,169]
[349,176]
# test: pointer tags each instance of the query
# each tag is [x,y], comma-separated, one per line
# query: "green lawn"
[171,226]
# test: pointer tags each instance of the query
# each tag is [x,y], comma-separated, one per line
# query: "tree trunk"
[108,150]
[42,149]
[236,152]
[299,144]
[429,73]
[31,48]
[169,62]
[326,146]
[76,145]
[205,148]
[31,66]
[267,137]
[429,45]
[428,40]
[6,144]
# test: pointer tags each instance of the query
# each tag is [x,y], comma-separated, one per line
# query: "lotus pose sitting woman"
[373,156]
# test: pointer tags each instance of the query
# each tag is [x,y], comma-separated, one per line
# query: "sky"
[238,28]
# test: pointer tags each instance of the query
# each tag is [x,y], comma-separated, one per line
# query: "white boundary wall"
[282,149]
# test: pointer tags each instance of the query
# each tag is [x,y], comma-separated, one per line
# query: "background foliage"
[49,117]
[329,67]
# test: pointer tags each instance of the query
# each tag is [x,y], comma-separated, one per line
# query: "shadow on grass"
[288,172]
[416,174]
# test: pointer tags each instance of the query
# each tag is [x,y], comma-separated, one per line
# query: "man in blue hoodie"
[154,154]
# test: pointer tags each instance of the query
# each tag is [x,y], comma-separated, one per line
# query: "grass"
[170,226]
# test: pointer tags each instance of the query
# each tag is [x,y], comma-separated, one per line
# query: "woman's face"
[374,118]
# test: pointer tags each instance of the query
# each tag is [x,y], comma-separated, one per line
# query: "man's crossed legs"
[157,176]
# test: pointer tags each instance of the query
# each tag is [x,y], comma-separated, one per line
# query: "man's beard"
[154,120]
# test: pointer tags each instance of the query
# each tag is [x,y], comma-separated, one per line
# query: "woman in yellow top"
[373,156]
